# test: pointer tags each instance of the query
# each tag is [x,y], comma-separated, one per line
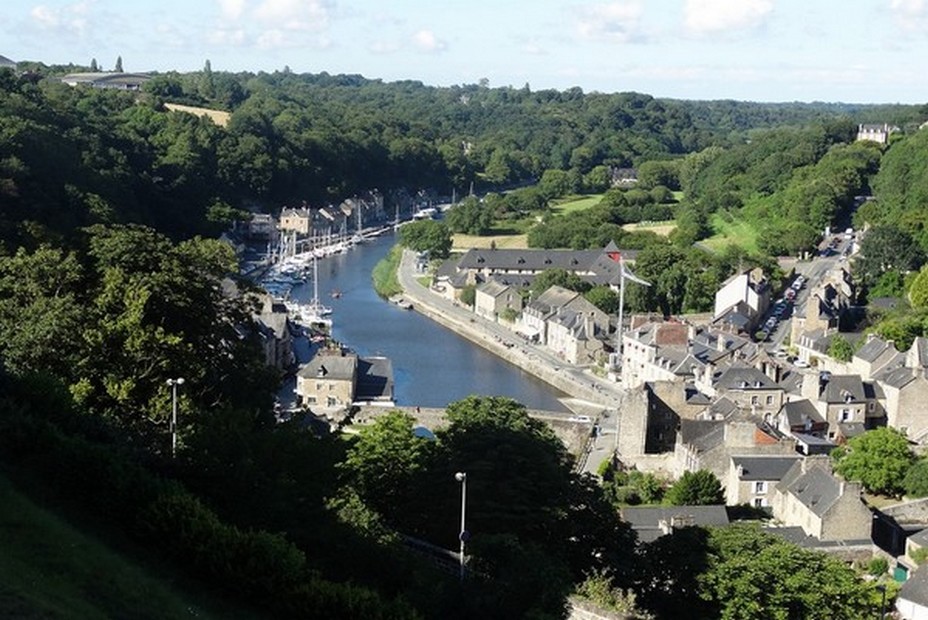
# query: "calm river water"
[432,366]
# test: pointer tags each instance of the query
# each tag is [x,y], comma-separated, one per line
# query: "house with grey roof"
[801,416]
[593,266]
[573,336]
[873,132]
[747,295]
[752,479]
[710,444]
[749,388]
[494,298]
[874,355]
[652,522]
[328,382]
[812,497]
[557,299]
[912,600]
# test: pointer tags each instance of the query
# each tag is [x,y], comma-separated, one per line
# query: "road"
[595,397]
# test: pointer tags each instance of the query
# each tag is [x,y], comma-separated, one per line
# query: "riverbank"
[502,342]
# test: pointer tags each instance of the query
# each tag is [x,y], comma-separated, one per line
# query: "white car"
[801,364]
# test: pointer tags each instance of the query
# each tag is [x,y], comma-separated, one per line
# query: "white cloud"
[231,9]
[714,16]
[227,36]
[70,19]
[615,21]
[383,47]
[426,41]
[305,15]
[910,14]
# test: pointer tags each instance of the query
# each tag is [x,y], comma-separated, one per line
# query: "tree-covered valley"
[111,279]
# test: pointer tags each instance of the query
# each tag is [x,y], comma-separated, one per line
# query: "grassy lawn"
[727,232]
[660,228]
[51,569]
[573,204]
[513,242]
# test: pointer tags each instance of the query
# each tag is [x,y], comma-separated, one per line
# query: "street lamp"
[174,383]
[462,478]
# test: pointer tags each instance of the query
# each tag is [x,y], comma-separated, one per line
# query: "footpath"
[593,396]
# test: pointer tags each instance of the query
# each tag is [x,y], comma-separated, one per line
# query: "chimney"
[588,325]
[665,526]
[740,470]
[720,343]
[691,333]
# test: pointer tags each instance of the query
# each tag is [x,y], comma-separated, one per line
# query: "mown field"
[731,232]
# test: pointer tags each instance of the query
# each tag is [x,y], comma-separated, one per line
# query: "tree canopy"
[696,488]
[879,459]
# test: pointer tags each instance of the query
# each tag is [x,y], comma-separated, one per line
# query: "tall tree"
[699,488]
[118,68]
[879,459]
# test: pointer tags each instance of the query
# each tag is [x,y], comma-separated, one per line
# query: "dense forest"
[111,280]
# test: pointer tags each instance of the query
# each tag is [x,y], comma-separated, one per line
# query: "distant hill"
[6,62]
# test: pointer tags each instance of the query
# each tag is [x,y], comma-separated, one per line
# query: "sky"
[856,51]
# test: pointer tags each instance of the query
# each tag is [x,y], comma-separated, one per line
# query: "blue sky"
[867,51]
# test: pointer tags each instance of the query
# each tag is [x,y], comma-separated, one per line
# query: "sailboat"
[314,313]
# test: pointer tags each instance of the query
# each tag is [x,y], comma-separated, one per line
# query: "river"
[432,366]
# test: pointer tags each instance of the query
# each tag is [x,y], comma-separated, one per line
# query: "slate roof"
[797,412]
[375,379]
[703,435]
[812,440]
[897,377]
[920,538]
[549,301]
[872,349]
[645,520]
[919,351]
[916,588]
[739,377]
[816,488]
[493,287]
[844,389]
[763,467]
[331,367]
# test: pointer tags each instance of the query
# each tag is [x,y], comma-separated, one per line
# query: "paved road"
[595,397]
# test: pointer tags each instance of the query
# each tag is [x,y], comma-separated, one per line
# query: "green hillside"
[51,569]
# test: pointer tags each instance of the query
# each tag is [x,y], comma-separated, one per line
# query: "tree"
[918,291]
[427,236]
[840,349]
[699,488]
[384,461]
[879,459]
[886,248]
[118,68]
[915,482]
[753,575]
[558,277]
[604,298]
[470,216]
[93,65]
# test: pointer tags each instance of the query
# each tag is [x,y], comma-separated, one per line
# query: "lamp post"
[462,478]
[174,383]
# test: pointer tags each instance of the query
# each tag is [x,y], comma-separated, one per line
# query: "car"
[801,364]
[781,353]
[585,419]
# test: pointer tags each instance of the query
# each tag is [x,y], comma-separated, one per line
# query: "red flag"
[615,256]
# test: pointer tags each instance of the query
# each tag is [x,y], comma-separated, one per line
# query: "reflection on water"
[432,366]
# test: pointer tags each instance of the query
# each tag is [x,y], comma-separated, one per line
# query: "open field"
[661,228]
[50,569]
[576,203]
[737,232]
[217,116]
[466,242]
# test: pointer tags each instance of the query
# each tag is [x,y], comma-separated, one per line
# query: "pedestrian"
[418,411]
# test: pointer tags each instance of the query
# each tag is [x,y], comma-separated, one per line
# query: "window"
[769,399]
[760,502]
[331,402]
[871,406]
[760,486]
[754,400]
[845,415]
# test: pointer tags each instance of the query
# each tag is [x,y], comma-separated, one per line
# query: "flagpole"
[618,330]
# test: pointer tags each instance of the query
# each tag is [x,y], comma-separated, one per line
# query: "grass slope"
[49,569]
[731,232]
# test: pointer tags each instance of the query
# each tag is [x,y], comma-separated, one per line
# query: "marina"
[432,366]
